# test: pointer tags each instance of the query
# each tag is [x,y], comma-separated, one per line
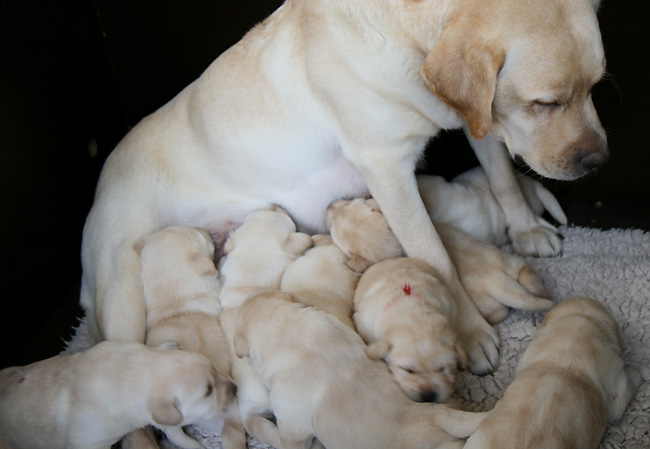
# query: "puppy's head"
[523,71]
[186,389]
[424,363]
[360,229]
[175,260]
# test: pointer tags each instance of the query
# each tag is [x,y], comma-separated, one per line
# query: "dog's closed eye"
[407,369]
[209,390]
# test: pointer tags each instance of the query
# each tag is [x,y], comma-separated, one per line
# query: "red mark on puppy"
[407,289]
[21,380]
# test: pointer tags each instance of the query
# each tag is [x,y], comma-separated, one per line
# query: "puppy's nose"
[428,396]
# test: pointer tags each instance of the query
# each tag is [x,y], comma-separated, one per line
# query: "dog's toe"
[540,241]
[482,348]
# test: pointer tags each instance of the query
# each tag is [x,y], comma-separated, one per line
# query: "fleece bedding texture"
[612,267]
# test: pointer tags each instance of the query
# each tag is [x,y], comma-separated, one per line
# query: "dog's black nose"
[594,159]
[428,396]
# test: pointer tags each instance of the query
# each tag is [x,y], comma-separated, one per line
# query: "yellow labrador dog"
[92,398]
[323,385]
[322,278]
[329,99]
[406,316]
[494,280]
[570,382]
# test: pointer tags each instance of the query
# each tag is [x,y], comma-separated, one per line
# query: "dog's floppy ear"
[297,242]
[378,350]
[164,411]
[240,343]
[358,264]
[202,264]
[462,70]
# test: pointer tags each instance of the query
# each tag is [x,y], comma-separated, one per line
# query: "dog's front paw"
[481,344]
[542,240]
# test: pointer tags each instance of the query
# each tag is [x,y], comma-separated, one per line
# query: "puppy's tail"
[458,423]
[540,199]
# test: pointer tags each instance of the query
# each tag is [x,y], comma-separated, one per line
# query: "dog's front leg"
[530,234]
[393,185]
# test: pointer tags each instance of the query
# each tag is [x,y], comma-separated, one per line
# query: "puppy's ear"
[358,264]
[164,411]
[373,204]
[378,350]
[202,264]
[322,240]
[138,245]
[297,243]
[462,70]
[240,343]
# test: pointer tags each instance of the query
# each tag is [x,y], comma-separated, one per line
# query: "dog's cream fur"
[90,399]
[323,385]
[321,278]
[329,99]
[405,315]
[257,254]
[570,382]
[495,280]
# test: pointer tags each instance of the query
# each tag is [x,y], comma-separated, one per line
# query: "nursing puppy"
[181,289]
[257,254]
[494,280]
[323,385]
[468,203]
[405,315]
[322,279]
[570,383]
[89,400]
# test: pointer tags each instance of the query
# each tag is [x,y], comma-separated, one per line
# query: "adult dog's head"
[523,71]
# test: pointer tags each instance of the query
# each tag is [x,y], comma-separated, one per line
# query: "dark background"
[76,75]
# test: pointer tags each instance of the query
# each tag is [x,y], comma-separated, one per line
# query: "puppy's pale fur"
[323,385]
[90,399]
[257,254]
[570,383]
[468,203]
[494,280]
[321,278]
[181,289]
[405,315]
[330,99]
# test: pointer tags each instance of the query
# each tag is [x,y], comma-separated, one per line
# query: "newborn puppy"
[257,254]
[570,383]
[405,314]
[322,279]
[493,279]
[92,398]
[468,203]
[323,385]
[181,288]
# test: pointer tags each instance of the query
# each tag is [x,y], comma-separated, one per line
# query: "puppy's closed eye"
[209,390]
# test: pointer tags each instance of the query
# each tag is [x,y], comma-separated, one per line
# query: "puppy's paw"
[543,240]
[482,347]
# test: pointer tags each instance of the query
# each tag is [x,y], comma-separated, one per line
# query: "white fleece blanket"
[612,267]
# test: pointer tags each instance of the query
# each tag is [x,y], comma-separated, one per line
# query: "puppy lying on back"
[92,398]
[322,279]
[323,385]
[181,288]
[257,254]
[570,383]
[493,279]
[405,314]
[468,203]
